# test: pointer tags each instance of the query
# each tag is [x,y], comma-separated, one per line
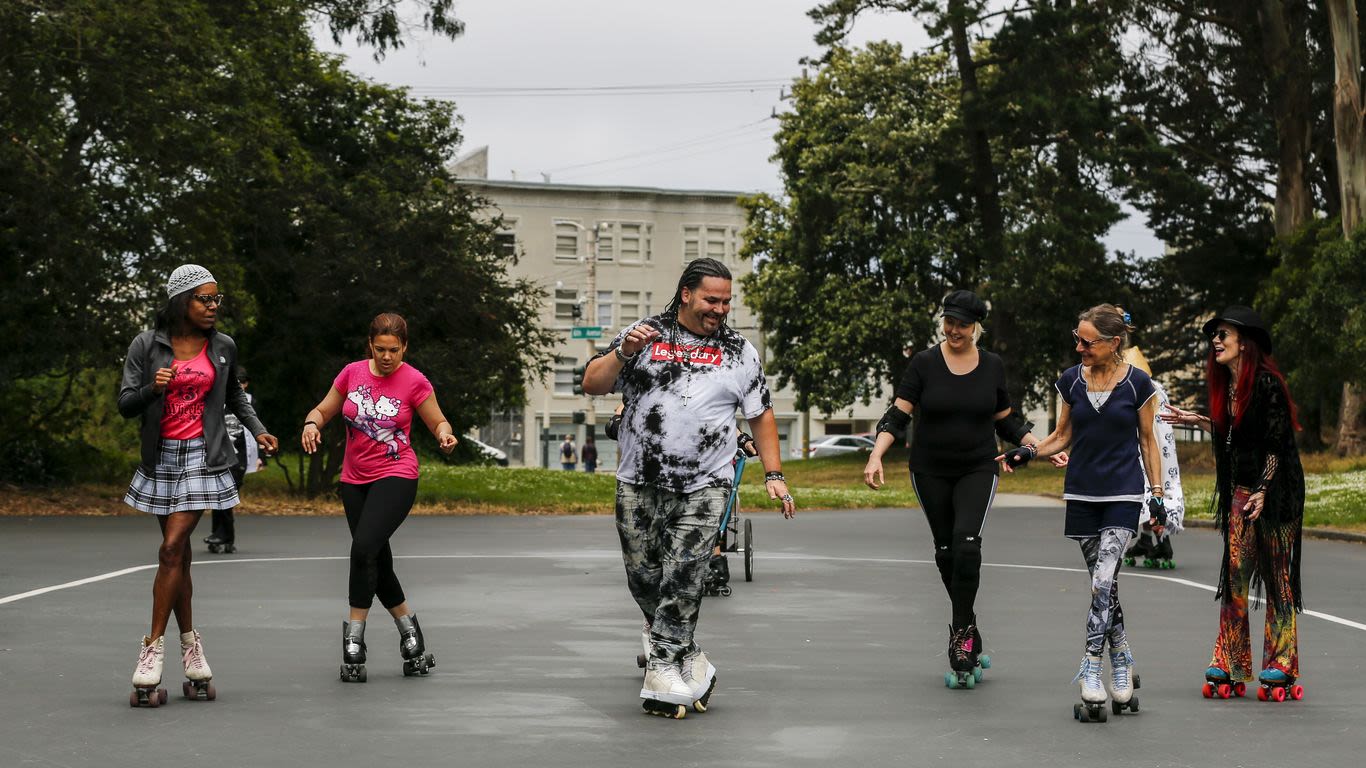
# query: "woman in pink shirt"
[377,398]
[176,380]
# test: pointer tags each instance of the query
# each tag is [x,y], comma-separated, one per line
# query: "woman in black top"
[1259,486]
[957,393]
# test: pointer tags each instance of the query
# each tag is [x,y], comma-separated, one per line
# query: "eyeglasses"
[1077,339]
[1220,335]
[210,299]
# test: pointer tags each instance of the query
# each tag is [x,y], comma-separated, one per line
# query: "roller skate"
[1092,706]
[1123,680]
[219,545]
[198,685]
[353,652]
[147,675]
[717,580]
[645,644]
[700,677]
[1277,686]
[664,692]
[416,660]
[1218,685]
[1161,557]
[965,660]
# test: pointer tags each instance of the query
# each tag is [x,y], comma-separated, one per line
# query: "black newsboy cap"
[965,306]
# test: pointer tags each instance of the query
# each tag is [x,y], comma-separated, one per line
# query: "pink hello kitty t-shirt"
[379,417]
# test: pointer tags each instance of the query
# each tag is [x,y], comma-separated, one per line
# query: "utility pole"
[592,313]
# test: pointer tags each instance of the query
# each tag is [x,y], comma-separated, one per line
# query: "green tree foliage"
[135,136]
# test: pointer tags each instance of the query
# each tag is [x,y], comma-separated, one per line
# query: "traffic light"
[578,378]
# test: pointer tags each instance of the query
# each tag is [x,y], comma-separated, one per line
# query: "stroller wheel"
[749,550]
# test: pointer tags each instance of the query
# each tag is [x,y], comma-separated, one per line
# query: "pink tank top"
[183,416]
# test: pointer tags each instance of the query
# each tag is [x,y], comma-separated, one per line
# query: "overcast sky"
[631,92]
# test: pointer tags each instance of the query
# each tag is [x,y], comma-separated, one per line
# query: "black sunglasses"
[1077,339]
[1220,335]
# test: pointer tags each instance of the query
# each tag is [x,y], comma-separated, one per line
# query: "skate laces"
[961,644]
[1089,673]
[147,658]
[193,654]
[1120,661]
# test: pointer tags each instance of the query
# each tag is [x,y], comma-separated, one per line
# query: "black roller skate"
[416,660]
[353,652]
[966,661]
[717,581]
[219,545]
[1218,685]
[1161,556]
[1278,686]
[1141,548]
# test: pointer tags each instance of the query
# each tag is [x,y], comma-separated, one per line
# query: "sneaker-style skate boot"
[147,674]
[664,693]
[1123,680]
[1092,706]
[416,660]
[717,580]
[700,676]
[1219,685]
[198,683]
[353,652]
[645,646]
[963,672]
[1277,686]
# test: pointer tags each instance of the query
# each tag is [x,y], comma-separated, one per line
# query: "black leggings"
[373,512]
[956,508]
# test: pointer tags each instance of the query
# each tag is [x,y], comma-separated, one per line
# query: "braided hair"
[692,277]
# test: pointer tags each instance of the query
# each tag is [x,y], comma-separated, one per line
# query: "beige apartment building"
[644,236]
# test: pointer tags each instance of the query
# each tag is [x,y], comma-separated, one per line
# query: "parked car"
[493,454]
[831,445]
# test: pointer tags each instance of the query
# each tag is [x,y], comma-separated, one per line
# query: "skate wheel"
[1116,707]
[161,696]
[1076,711]
[640,660]
[1129,562]
[133,699]
[210,693]
[950,679]
[1261,694]
[724,591]
[984,661]
[1225,690]
[1138,681]
[431,661]
[1101,715]
[977,674]
[1240,689]
[969,681]
[1207,690]
[1278,694]
[1133,704]
[1297,692]
[187,689]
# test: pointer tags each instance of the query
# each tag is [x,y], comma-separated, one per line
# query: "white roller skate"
[700,677]
[198,683]
[1123,679]
[1092,706]
[147,675]
[664,692]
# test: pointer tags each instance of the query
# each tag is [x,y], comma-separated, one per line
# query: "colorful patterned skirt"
[181,481]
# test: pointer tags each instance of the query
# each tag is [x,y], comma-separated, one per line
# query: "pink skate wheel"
[133,699]
[212,692]
[1278,694]
[1297,692]
[1261,694]
[1240,690]
[1225,691]
[1208,690]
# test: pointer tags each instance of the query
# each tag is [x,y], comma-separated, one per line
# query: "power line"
[639,89]
[689,143]
[738,141]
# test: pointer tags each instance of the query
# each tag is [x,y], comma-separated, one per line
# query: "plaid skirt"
[181,481]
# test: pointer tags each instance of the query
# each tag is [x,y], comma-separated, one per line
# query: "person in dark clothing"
[1259,504]
[957,395]
[224,535]
[589,454]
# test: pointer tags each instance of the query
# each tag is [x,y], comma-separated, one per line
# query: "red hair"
[1253,362]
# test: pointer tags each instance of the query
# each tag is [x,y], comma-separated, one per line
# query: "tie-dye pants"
[1280,644]
[666,543]
[1105,618]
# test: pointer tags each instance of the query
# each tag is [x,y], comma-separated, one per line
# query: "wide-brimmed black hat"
[965,306]
[1249,324]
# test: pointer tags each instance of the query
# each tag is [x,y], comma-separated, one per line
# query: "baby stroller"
[736,535]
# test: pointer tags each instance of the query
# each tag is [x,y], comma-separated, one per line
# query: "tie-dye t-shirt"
[182,418]
[681,391]
[379,417]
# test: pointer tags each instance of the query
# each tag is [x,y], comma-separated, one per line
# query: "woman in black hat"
[1259,504]
[958,395]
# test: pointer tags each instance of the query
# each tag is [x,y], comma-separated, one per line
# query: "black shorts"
[1088,518]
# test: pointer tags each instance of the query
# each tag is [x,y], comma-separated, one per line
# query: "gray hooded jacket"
[150,351]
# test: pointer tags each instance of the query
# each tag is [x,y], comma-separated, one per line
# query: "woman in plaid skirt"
[177,378]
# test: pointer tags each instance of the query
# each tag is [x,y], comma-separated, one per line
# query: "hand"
[268,444]
[637,339]
[1173,415]
[1016,458]
[1059,459]
[446,443]
[1253,509]
[312,438]
[872,473]
[163,377]
[777,490]
[1157,512]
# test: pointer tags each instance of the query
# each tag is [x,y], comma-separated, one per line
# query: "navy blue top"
[1105,464]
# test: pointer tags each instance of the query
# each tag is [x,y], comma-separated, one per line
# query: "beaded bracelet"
[771,476]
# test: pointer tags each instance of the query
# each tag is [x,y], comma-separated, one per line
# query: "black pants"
[956,508]
[223,525]
[374,511]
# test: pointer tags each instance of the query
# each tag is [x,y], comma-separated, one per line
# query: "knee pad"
[943,557]
[967,556]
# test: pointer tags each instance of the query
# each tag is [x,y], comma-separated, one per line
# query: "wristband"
[623,358]
[314,423]
[771,476]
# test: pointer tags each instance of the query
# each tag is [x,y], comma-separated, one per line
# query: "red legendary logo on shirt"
[663,350]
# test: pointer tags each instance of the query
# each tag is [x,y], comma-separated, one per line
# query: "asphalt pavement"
[834,655]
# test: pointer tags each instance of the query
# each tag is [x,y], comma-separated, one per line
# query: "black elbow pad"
[1013,428]
[894,421]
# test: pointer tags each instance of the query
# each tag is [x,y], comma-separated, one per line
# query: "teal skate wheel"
[950,679]
[976,675]
[984,661]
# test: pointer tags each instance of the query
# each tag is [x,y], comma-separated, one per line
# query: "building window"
[692,243]
[566,240]
[566,304]
[605,309]
[713,241]
[716,244]
[505,245]
[630,307]
[634,239]
[648,296]
[606,242]
[564,375]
